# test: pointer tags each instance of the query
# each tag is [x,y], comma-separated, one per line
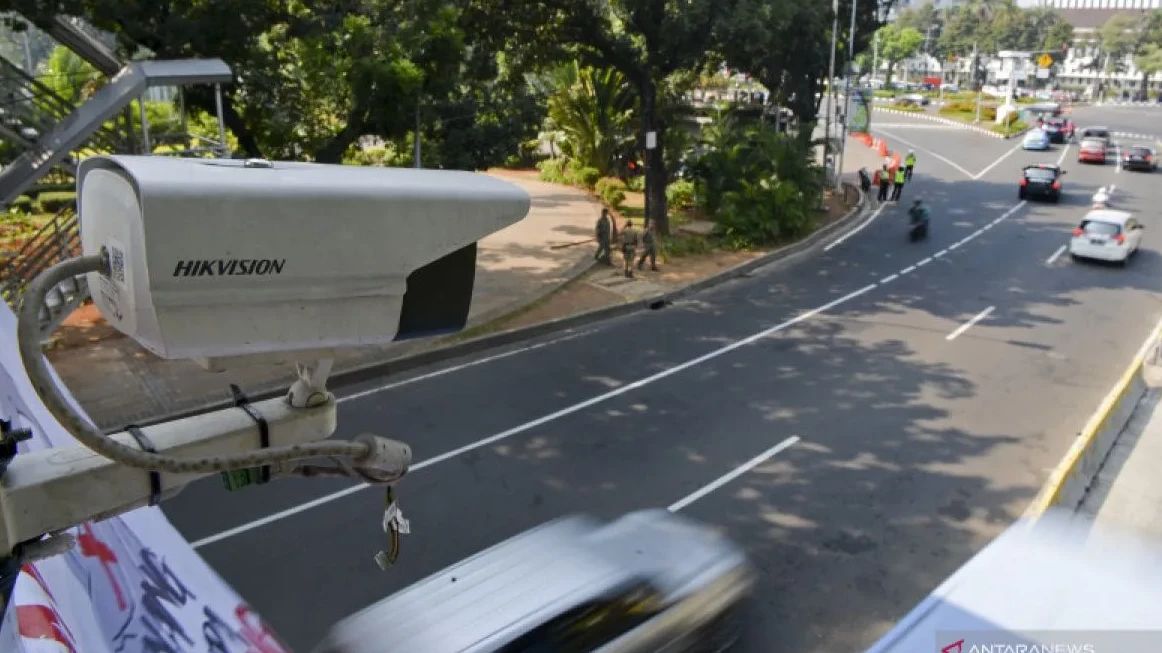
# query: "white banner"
[132,584]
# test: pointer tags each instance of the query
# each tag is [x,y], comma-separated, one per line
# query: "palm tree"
[592,108]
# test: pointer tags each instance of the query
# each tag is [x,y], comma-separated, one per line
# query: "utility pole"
[847,91]
[416,138]
[974,64]
[875,54]
[830,88]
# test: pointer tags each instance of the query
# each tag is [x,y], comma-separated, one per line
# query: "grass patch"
[1015,127]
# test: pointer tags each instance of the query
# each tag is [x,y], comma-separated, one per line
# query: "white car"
[1106,235]
[1036,139]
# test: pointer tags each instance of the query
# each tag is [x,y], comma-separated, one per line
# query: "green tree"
[593,108]
[896,44]
[1118,38]
[69,76]
[1148,61]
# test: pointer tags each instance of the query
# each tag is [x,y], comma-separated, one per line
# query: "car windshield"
[1040,174]
[1140,151]
[1099,228]
[1092,145]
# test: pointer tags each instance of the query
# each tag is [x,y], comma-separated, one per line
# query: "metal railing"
[57,240]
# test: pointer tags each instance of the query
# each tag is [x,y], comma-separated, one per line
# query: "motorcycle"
[1101,199]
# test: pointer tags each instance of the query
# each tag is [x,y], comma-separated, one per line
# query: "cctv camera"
[216,258]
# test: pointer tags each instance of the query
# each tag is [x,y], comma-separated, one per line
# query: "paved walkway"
[1127,493]
[118,382]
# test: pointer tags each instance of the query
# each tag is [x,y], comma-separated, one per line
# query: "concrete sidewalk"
[1127,493]
[118,382]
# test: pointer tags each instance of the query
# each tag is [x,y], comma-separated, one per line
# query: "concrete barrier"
[1070,480]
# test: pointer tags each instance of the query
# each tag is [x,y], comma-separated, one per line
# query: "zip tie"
[242,402]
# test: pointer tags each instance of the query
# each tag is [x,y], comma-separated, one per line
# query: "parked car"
[649,581]
[1140,157]
[913,98]
[1036,139]
[1106,235]
[950,87]
[1041,181]
[1092,150]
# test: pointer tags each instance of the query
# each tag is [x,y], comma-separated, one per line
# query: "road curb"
[955,123]
[371,371]
[1071,478]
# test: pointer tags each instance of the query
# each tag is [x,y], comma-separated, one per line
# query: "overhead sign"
[1045,60]
[859,112]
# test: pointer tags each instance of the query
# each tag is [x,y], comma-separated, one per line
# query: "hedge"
[55,201]
[611,190]
[22,204]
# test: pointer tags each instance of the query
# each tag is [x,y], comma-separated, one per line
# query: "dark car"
[1060,130]
[1041,181]
[1140,157]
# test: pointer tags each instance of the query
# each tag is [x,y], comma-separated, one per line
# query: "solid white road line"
[456,368]
[1118,160]
[733,474]
[257,523]
[484,442]
[923,262]
[1062,156]
[1059,252]
[994,163]
[927,151]
[968,325]
[940,253]
[875,214]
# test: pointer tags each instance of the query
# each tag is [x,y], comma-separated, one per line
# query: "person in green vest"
[901,177]
[909,163]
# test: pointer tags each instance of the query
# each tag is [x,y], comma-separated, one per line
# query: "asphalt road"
[920,439]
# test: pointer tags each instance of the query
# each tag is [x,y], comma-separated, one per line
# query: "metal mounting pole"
[224,149]
[830,88]
[846,93]
[146,146]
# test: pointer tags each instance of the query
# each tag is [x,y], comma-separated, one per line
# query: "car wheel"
[1021,194]
[1075,257]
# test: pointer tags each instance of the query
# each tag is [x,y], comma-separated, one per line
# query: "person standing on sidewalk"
[909,164]
[882,179]
[901,177]
[865,183]
[630,239]
[604,238]
[649,241]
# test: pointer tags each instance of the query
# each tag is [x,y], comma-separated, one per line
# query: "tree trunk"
[332,151]
[655,161]
[1145,84]
[888,74]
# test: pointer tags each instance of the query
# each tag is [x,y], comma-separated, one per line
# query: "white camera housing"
[218,258]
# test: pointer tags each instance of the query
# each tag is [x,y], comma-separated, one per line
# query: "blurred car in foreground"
[1036,139]
[1041,181]
[913,98]
[1091,150]
[1060,583]
[1106,235]
[649,581]
[1140,157]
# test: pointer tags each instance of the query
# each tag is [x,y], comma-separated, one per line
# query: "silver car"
[649,581]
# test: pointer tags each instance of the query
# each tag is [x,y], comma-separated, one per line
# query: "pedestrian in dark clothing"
[630,238]
[884,181]
[604,238]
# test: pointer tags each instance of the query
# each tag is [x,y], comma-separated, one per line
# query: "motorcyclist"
[918,213]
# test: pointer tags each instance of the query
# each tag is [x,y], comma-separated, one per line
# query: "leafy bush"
[680,194]
[959,106]
[22,204]
[611,190]
[553,170]
[55,201]
[636,184]
[584,176]
[759,185]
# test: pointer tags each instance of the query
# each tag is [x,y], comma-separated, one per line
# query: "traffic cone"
[883,148]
